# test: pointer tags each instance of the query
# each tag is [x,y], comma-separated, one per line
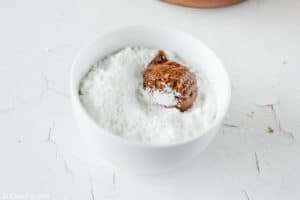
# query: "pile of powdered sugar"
[112,92]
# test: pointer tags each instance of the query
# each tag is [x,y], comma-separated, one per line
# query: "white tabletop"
[42,155]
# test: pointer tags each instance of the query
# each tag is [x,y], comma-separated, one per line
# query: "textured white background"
[40,149]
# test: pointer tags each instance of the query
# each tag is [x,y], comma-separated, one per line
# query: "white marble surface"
[40,149]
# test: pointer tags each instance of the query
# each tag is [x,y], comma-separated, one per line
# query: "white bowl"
[147,158]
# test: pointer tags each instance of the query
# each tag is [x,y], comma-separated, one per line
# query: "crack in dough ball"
[162,72]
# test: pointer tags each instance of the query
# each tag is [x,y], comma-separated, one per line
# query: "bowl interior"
[181,43]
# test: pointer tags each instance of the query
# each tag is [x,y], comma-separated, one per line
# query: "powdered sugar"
[166,97]
[112,92]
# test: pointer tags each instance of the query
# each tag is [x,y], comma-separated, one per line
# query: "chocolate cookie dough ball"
[162,73]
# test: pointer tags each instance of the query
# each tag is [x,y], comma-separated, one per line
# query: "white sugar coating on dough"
[112,93]
[166,97]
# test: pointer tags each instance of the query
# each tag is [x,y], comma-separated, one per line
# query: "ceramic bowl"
[205,3]
[105,147]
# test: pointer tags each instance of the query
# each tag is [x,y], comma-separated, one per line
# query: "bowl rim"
[76,100]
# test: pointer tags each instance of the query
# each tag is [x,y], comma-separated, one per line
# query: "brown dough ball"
[161,72]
